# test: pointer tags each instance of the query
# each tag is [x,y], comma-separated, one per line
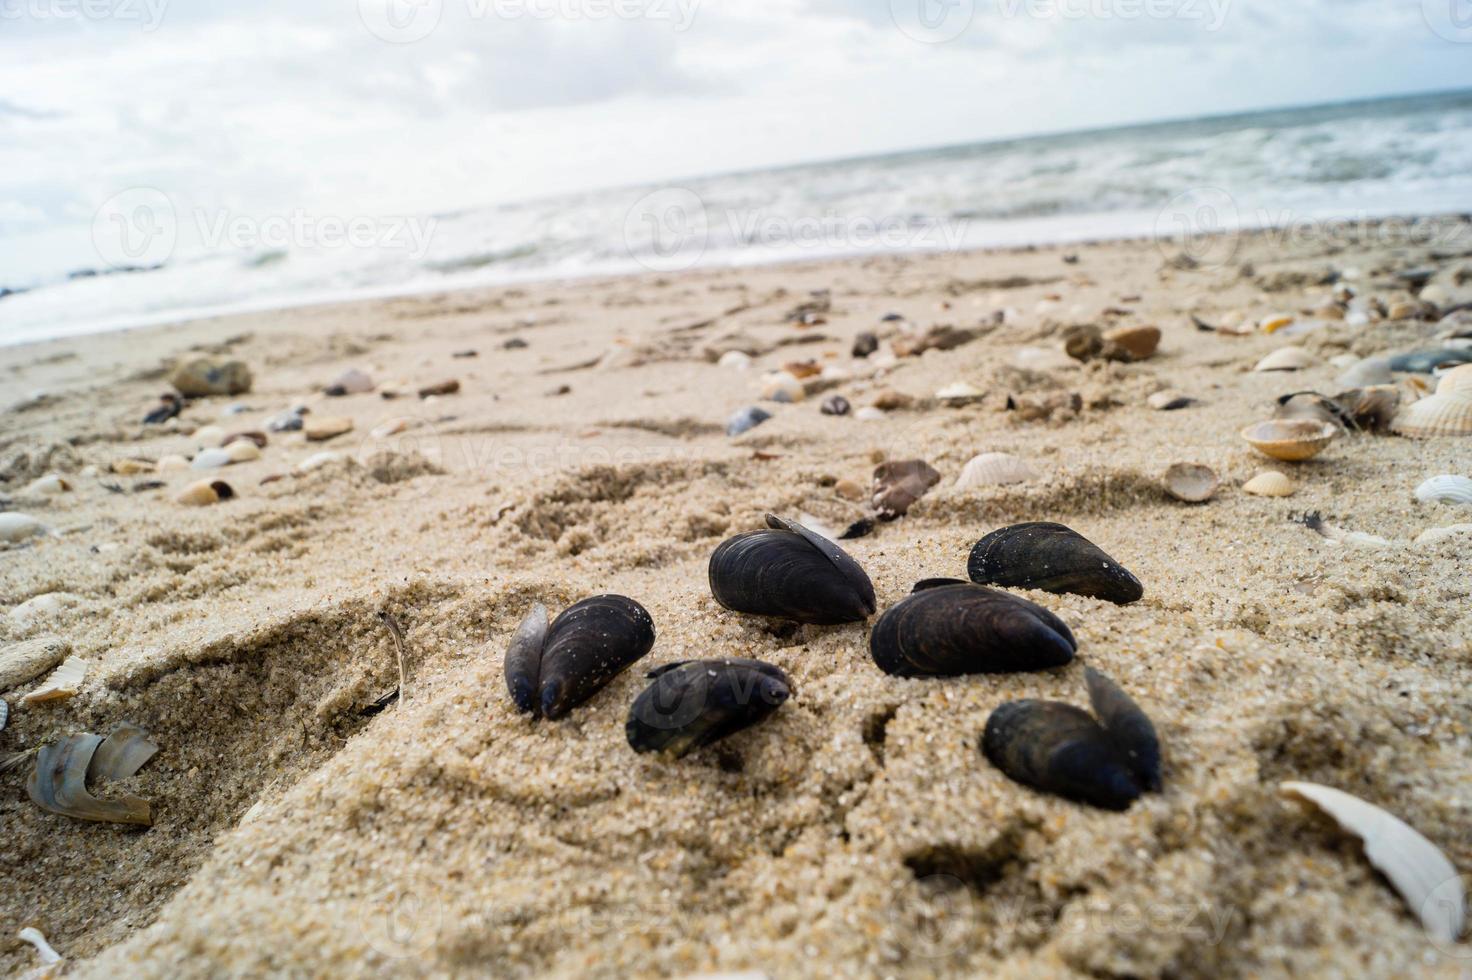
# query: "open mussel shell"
[948,628]
[1059,749]
[59,781]
[1053,558]
[696,702]
[552,669]
[792,573]
[1129,728]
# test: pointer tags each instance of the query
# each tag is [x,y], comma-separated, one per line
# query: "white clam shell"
[1439,415]
[1270,483]
[1286,359]
[994,470]
[209,436]
[18,527]
[1191,482]
[243,451]
[1446,490]
[210,459]
[49,485]
[1420,872]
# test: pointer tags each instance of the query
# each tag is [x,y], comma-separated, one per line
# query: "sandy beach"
[857,832]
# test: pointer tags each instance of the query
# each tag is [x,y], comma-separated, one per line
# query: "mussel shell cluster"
[1108,761]
[552,669]
[790,572]
[1052,558]
[696,702]
[947,628]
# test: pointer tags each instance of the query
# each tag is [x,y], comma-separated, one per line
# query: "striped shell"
[1439,415]
[1457,380]
[1446,490]
[1285,359]
[1270,483]
[994,469]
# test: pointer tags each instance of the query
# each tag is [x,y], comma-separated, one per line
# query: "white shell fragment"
[32,935]
[736,359]
[1191,482]
[1436,535]
[209,436]
[1286,359]
[243,451]
[211,459]
[1446,490]
[317,461]
[959,393]
[994,469]
[63,683]
[18,527]
[172,463]
[1416,867]
[49,485]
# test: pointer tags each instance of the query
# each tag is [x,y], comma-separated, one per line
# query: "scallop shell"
[1439,415]
[18,527]
[994,469]
[1293,440]
[63,683]
[1457,380]
[1446,490]
[1417,868]
[1191,482]
[1286,359]
[1270,483]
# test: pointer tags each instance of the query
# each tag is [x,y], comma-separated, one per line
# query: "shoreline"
[859,830]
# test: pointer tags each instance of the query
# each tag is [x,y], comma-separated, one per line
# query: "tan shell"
[1293,440]
[1191,482]
[27,660]
[1274,322]
[1456,381]
[1286,359]
[1417,868]
[779,386]
[1141,342]
[129,466]
[320,429]
[1439,415]
[994,470]
[205,492]
[1270,483]
[243,451]
[172,463]
[63,683]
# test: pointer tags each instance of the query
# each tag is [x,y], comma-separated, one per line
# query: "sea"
[1304,169]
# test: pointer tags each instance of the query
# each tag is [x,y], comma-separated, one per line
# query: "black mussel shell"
[697,702]
[1059,749]
[791,573]
[946,629]
[578,654]
[1128,727]
[1053,558]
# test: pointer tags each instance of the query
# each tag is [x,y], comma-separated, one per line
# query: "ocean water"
[1303,169]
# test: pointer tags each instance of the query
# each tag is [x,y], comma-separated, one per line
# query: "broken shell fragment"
[17,527]
[49,956]
[697,702]
[865,343]
[319,429]
[1270,483]
[898,484]
[959,393]
[59,785]
[1292,440]
[1274,322]
[779,386]
[204,493]
[994,470]
[209,436]
[1286,359]
[790,572]
[1446,490]
[1139,342]
[1439,415]
[318,460]
[23,662]
[1191,482]
[1060,749]
[65,681]
[1051,557]
[49,485]
[746,419]
[1436,535]
[121,754]
[948,628]
[583,649]
[1169,401]
[1417,868]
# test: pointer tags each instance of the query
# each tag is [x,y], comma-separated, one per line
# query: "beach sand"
[859,831]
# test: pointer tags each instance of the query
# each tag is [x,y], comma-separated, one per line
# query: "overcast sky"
[276,104]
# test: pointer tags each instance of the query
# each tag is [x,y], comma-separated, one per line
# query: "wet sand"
[859,831]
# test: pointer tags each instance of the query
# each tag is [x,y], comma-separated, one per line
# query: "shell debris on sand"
[994,469]
[1286,359]
[63,683]
[23,662]
[1270,483]
[1446,490]
[1191,483]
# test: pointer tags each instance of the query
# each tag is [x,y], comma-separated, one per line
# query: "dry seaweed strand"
[397,633]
